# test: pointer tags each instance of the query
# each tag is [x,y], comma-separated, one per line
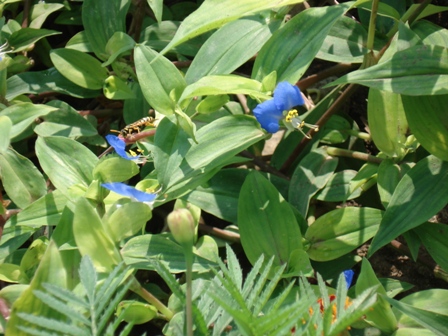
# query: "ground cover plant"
[222,167]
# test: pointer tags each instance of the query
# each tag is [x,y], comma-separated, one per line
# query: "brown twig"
[333,71]
[223,234]
[332,110]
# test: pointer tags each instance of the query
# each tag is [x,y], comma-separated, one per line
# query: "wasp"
[136,127]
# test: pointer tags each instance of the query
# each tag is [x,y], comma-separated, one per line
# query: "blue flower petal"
[286,96]
[268,115]
[120,147]
[348,277]
[125,190]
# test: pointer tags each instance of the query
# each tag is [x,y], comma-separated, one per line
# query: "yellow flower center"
[293,117]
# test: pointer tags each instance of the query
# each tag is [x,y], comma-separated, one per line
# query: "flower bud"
[181,224]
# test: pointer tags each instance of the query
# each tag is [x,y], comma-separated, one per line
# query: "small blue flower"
[270,112]
[349,277]
[134,194]
[120,148]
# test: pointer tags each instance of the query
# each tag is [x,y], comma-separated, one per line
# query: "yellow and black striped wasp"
[136,127]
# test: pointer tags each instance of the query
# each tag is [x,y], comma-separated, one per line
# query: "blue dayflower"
[120,148]
[134,194]
[349,277]
[270,112]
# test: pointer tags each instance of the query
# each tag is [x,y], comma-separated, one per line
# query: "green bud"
[181,224]
[136,312]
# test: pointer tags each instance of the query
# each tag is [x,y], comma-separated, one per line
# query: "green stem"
[333,151]
[189,300]
[360,135]
[138,289]
[372,25]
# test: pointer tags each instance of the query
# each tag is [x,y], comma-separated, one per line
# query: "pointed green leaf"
[41,11]
[5,126]
[230,47]
[340,231]
[143,252]
[92,239]
[435,322]
[24,38]
[101,20]
[214,13]
[115,169]
[223,84]
[21,179]
[434,237]
[419,195]
[51,270]
[422,64]
[157,8]
[65,161]
[158,77]
[80,68]
[290,51]
[387,122]
[23,115]
[381,315]
[266,221]
[337,188]
[428,122]
[311,175]
[389,174]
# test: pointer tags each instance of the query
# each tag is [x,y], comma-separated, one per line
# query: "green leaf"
[430,33]
[45,81]
[10,273]
[381,316]
[21,179]
[223,84]
[115,169]
[340,231]
[213,14]
[158,77]
[23,115]
[92,239]
[389,174]
[183,168]
[157,8]
[79,42]
[266,221]
[435,238]
[419,195]
[127,220]
[118,44]
[230,47]
[337,188]
[346,42]
[422,64]
[116,88]
[311,175]
[432,300]
[51,270]
[290,51]
[427,119]
[212,104]
[437,323]
[65,121]
[41,11]
[80,68]
[6,126]
[101,19]
[46,210]
[387,122]
[24,38]
[143,252]
[65,161]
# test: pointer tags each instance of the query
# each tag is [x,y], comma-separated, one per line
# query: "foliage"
[192,109]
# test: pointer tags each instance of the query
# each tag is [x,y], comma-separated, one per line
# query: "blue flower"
[120,148]
[270,112]
[349,277]
[134,194]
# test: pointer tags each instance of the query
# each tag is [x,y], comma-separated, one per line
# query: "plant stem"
[360,135]
[189,300]
[138,289]
[333,151]
[372,25]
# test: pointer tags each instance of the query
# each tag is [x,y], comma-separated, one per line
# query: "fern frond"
[65,295]
[53,325]
[62,307]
